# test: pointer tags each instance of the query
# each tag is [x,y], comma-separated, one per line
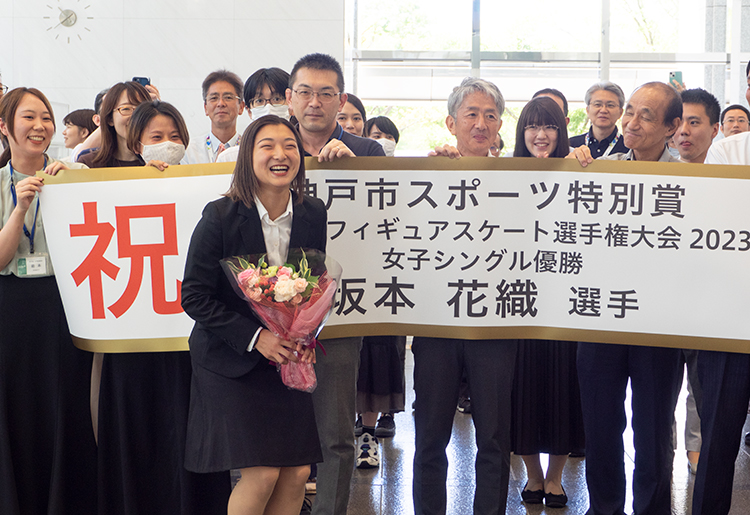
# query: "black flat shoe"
[556,500]
[532,496]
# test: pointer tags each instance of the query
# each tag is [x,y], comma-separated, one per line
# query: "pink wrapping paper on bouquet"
[293,301]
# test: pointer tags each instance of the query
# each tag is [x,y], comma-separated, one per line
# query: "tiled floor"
[387,490]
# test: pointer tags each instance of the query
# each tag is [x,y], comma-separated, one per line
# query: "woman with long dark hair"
[546,399]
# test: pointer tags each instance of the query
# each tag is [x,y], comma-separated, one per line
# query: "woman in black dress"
[546,400]
[47,448]
[144,396]
[241,414]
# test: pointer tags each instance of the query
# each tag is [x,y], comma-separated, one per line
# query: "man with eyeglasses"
[315,95]
[652,116]
[735,120]
[222,104]
[604,101]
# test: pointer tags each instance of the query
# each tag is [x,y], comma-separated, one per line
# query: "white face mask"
[167,151]
[389,146]
[281,111]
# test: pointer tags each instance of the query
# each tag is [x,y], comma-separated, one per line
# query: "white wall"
[174,42]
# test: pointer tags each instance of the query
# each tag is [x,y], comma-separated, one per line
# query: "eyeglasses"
[325,97]
[731,120]
[4,88]
[226,97]
[125,110]
[547,129]
[275,100]
[599,105]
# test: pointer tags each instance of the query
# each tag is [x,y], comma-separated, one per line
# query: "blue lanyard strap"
[29,235]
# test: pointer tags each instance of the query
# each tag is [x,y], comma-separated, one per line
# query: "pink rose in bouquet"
[293,301]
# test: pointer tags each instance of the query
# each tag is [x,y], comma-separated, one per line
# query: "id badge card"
[30,265]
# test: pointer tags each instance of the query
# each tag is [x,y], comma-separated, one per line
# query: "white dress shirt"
[206,148]
[734,150]
[277,234]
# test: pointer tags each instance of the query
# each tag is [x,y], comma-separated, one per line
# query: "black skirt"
[143,411]
[547,414]
[248,421]
[380,383]
[47,447]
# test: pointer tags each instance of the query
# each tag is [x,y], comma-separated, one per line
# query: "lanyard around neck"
[29,235]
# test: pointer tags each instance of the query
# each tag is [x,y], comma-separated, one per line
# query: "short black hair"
[557,93]
[222,75]
[276,79]
[704,98]
[385,125]
[732,108]
[747,69]
[146,112]
[83,118]
[319,62]
[99,99]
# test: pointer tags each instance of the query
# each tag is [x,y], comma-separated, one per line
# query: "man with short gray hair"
[604,104]
[474,111]
[475,108]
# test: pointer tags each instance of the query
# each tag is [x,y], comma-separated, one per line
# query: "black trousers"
[725,379]
[438,365]
[655,376]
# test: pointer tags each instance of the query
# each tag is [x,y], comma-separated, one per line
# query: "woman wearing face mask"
[47,447]
[241,415]
[157,132]
[144,397]
[352,117]
[264,94]
[546,398]
[384,131]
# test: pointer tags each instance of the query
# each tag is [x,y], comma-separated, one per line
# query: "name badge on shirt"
[31,265]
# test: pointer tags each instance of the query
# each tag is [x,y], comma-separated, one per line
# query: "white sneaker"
[368,452]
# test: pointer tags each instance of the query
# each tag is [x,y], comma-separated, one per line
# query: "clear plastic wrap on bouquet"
[293,301]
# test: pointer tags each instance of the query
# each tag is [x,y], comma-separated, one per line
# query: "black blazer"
[224,323]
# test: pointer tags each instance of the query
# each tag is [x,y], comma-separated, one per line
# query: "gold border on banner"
[416,163]
[135,345]
[460,332]
[538,333]
[432,164]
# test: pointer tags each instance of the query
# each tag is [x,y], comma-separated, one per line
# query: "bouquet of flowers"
[293,301]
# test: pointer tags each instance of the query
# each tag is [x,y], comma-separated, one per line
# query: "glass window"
[414,25]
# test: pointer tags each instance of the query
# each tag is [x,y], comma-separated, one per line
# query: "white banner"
[559,254]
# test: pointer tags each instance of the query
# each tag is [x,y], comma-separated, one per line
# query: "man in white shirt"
[222,103]
[725,379]
[700,125]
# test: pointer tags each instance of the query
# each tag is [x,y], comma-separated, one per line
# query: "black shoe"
[532,496]
[306,506]
[386,426]
[556,500]
[464,405]
[358,427]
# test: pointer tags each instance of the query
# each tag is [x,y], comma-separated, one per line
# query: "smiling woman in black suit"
[241,414]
